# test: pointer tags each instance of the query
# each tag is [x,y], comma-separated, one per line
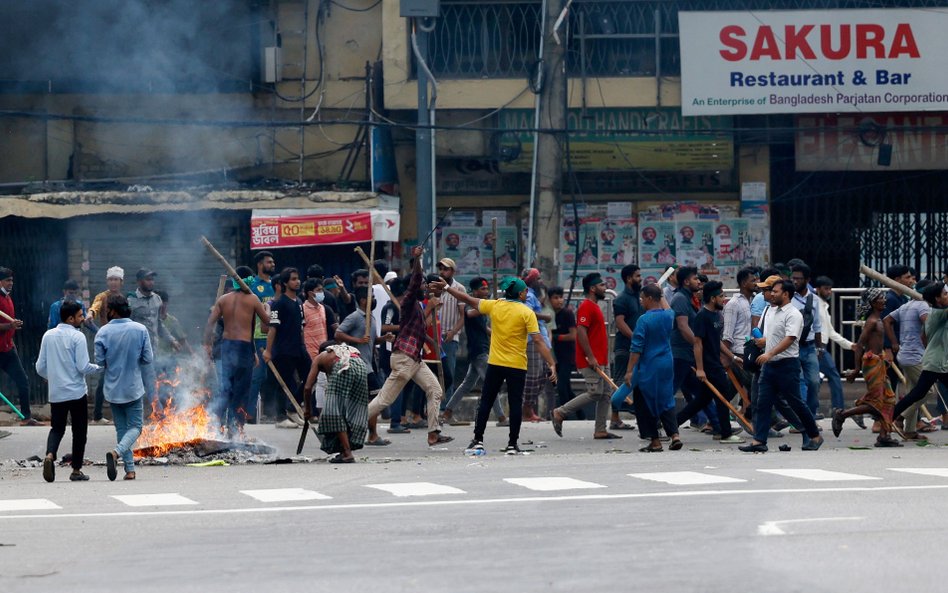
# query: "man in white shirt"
[64,362]
[823,286]
[780,370]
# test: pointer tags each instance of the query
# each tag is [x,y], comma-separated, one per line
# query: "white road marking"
[686,478]
[818,475]
[487,501]
[940,472]
[773,527]
[28,504]
[416,489]
[552,484]
[285,495]
[153,500]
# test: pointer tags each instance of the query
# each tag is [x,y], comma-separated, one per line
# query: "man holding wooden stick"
[708,327]
[406,360]
[9,358]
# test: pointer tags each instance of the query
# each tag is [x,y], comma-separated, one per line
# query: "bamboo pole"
[493,249]
[740,417]
[230,269]
[370,292]
[888,282]
[376,277]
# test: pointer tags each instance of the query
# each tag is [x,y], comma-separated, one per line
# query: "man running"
[512,322]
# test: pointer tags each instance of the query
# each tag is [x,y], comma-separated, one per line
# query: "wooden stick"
[740,417]
[925,412]
[898,372]
[611,383]
[221,285]
[493,248]
[230,269]
[888,282]
[376,277]
[666,276]
[7,317]
[740,388]
[370,292]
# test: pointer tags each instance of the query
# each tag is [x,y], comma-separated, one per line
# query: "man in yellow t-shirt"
[511,322]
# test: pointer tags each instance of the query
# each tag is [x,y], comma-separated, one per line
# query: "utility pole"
[549,177]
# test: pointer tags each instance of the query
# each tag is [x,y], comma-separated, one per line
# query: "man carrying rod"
[238,310]
[406,360]
[511,323]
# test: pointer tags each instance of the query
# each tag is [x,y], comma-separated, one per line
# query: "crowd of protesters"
[291,348]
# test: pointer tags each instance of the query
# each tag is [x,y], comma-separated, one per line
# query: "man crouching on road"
[124,347]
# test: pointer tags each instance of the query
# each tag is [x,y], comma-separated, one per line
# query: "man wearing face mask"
[70,295]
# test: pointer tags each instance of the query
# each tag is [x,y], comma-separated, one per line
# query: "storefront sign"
[647,139]
[273,229]
[851,142]
[813,61]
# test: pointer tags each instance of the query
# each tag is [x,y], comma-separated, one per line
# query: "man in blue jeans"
[824,289]
[811,341]
[124,348]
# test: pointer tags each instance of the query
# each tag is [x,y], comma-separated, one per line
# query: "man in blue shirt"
[124,347]
[805,300]
[536,368]
[64,362]
[70,295]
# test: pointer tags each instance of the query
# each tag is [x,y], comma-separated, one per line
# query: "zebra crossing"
[761,478]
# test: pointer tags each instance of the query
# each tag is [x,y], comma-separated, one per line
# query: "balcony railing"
[500,39]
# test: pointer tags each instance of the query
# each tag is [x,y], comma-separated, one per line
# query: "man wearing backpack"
[811,342]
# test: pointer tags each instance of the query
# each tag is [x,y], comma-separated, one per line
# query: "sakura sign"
[813,61]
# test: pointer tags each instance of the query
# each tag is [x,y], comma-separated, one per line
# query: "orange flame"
[169,427]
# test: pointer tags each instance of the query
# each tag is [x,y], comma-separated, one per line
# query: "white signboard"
[827,61]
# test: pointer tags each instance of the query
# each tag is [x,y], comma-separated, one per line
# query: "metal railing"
[500,39]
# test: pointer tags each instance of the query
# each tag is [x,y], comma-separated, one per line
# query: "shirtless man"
[879,401]
[237,352]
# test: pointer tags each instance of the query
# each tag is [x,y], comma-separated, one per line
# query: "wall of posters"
[470,246]
[717,238]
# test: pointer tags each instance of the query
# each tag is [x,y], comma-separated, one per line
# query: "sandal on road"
[440,440]
[620,426]
[676,445]
[379,442]
[340,459]
[607,436]
[651,449]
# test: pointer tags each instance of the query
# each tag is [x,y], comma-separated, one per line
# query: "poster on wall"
[657,245]
[604,241]
[471,249]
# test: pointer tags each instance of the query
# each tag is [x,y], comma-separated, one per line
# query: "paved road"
[575,515]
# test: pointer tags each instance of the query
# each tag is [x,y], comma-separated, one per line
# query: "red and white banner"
[813,61]
[273,229]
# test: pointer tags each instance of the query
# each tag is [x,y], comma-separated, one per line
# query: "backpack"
[752,350]
[807,318]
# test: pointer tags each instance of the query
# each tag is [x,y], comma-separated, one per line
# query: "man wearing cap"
[9,358]
[592,358]
[98,316]
[511,324]
[452,318]
[146,310]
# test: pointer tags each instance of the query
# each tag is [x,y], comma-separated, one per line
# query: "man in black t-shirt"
[478,348]
[285,345]
[707,327]
[627,310]
[564,347]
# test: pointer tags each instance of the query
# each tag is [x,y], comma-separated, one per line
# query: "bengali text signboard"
[275,229]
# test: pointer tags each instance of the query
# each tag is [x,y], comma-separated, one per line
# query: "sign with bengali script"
[813,61]
[276,229]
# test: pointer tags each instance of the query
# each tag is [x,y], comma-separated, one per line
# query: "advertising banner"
[620,139]
[813,61]
[275,229]
[851,142]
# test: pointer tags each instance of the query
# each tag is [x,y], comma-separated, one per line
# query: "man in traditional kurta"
[344,421]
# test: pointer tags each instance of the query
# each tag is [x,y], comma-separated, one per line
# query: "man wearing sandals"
[651,371]
[406,360]
[123,347]
[344,420]
[592,358]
